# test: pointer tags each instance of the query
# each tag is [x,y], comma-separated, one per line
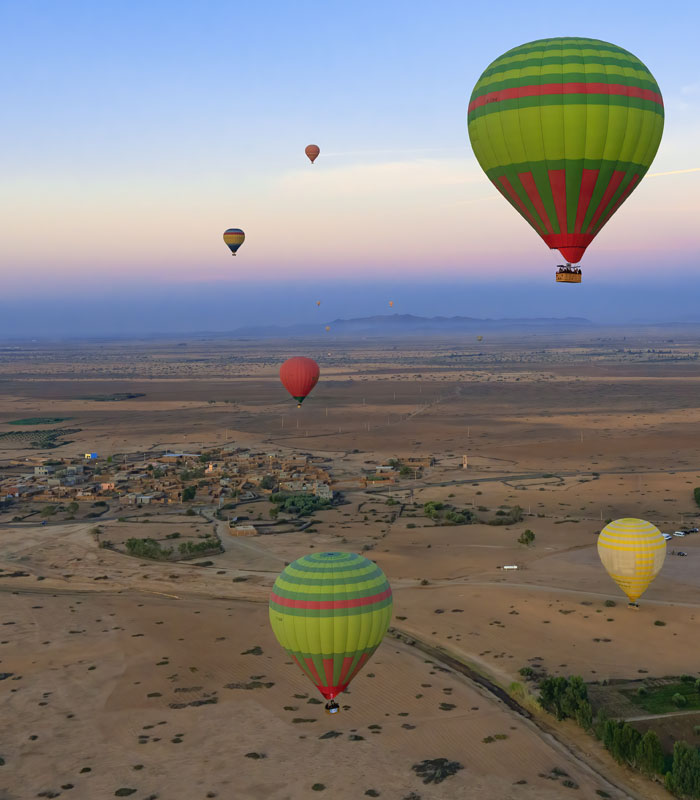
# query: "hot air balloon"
[633,552]
[565,129]
[318,302]
[299,375]
[479,338]
[312,151]
[391,303]
[234,238]
[328,327]
[330,612]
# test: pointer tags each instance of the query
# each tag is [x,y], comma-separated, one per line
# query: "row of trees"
[197,548]
[567,698]
[148,548]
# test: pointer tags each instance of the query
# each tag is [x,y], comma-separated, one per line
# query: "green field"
[40,440]
[659,698]
[38,421]
[104,398]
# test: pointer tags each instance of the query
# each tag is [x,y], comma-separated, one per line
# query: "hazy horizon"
[151,308]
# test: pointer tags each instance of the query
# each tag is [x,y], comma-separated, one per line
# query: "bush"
[147,548]
[526,537]
[696,495]
[660,623]
[679,700]
[610,604]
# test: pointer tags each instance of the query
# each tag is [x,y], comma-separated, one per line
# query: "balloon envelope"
[299,375]
[330,612]
[565,129]
[312,151]
[234,238]
[633,552]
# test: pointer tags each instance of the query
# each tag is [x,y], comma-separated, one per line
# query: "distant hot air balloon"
[318,302]
[633,552]
[330,612]
[299,375]
[312,151]
[565,129]
[328,327]
[479,338]
[234,238]
[391,303]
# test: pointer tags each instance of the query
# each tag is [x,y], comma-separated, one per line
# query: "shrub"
[526,537]
[610,604]
[660,623]
[679,700]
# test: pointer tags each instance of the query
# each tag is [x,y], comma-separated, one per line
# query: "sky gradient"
[135,133]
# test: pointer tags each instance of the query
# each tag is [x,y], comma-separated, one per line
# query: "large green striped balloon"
[330,611]
[565,129]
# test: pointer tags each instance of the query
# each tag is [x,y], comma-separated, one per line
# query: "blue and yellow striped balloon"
[633,552]
[234,238]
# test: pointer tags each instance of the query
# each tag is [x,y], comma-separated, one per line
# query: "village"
[220,477]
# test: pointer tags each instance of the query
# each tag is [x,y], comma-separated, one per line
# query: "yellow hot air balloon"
[633,552]
[328,327]
[479,338]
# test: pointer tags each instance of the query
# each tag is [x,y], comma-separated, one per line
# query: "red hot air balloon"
[299,375]
[312,151]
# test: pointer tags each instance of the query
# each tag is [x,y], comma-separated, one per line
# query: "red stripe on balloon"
[509,191]
[588,182]
[324,605]
[312,669]
[557,182]
[329,691]
[530,187]
[633,182]
[535,90]
[610,190]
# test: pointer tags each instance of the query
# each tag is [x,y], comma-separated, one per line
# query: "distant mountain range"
[408,325]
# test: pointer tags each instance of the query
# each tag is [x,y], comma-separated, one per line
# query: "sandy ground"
[573,435]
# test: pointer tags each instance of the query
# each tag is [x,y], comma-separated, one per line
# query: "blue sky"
[136,132]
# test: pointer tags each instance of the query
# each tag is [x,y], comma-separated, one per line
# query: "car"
[679,533]
[681,553]
[667,536]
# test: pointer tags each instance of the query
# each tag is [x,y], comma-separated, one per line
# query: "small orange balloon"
[312,151]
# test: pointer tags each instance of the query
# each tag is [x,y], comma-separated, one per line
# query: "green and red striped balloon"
[330,612]
[565,129]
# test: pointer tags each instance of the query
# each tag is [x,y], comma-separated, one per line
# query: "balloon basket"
[635,606]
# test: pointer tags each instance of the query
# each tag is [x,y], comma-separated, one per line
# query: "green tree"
[72,507]
[188,493]
[526,537]
[584,715]
[48,511]
[268,482]
[684,775]
[650,755]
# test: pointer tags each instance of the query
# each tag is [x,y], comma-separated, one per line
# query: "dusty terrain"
[575,433]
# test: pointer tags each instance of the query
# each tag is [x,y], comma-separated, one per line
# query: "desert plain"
[123,676]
